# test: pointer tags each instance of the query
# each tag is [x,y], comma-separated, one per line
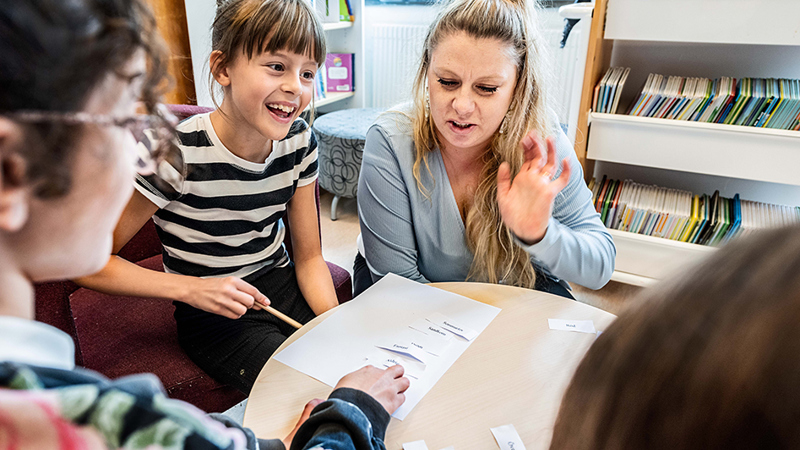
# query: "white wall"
[199,17]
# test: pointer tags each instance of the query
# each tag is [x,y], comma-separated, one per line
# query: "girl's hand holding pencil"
[230,297]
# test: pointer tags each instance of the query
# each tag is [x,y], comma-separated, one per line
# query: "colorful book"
[339,69]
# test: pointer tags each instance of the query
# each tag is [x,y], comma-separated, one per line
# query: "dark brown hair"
[250,27]
[712,361]
[54,53]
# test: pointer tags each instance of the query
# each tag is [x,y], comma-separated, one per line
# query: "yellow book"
[693,221]
[679,227]
[628,216]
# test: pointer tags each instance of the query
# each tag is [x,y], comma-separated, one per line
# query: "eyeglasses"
[154,132]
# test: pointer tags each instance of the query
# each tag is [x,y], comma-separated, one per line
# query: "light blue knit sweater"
[423,238]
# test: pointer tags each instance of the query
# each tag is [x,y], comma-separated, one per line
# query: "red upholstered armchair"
[119,336]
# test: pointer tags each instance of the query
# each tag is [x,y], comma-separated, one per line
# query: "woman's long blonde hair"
[496,257]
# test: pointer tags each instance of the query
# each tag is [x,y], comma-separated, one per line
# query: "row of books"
[756,102]
[330,11]
[682,216]
[608,91]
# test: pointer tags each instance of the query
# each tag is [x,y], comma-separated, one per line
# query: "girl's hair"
[54,53]
[250,27]
[512,22]
[709,362]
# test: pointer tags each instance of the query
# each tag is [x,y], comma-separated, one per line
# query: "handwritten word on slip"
[453,327]
[381,360]
[405,348]
[581,326]
[431,330]
[508,438]
[434,345]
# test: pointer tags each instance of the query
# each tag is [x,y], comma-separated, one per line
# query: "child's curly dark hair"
[54,53]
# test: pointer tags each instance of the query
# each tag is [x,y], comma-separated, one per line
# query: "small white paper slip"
[455,328]
[405,348]
[431,330]
[508,438]
[433,345]
[430,344]
[379,359]
[416,445]
[581,326]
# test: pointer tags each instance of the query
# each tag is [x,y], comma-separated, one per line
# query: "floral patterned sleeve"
[62,409]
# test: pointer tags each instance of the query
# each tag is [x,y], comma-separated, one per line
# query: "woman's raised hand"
[526,203]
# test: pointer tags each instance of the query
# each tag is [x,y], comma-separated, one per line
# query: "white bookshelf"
[346,37]
[769,22]
[701,38]
[706,148]
[333,97]
[336,25]
[642,260]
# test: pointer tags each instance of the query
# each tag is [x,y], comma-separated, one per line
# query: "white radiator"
[571,64]
[563,63]
[395,54]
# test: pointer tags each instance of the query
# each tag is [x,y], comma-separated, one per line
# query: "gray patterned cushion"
[341,136]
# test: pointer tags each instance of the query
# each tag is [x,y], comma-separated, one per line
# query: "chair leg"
[334,204]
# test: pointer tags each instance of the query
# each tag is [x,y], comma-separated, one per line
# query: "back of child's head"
[708,361]
[53,55]
[250,27]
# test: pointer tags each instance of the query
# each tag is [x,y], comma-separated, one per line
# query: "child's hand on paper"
[385,386]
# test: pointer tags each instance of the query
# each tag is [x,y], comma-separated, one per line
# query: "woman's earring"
[427,103]
[504,124]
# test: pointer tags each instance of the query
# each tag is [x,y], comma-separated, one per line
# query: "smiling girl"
[249,163]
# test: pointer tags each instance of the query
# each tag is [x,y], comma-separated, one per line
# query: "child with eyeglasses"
[73,77]
[248,165]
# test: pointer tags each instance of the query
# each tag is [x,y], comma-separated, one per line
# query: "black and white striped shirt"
[224,218]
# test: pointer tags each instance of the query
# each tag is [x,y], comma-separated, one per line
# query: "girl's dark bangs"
[293,29]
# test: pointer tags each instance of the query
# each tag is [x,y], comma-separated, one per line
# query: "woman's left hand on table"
[526,203]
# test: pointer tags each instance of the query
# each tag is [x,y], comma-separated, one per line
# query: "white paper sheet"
[333,348]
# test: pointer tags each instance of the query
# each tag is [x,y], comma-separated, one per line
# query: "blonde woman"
[462,184]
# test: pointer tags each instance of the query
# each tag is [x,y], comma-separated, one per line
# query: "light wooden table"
[515,372]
